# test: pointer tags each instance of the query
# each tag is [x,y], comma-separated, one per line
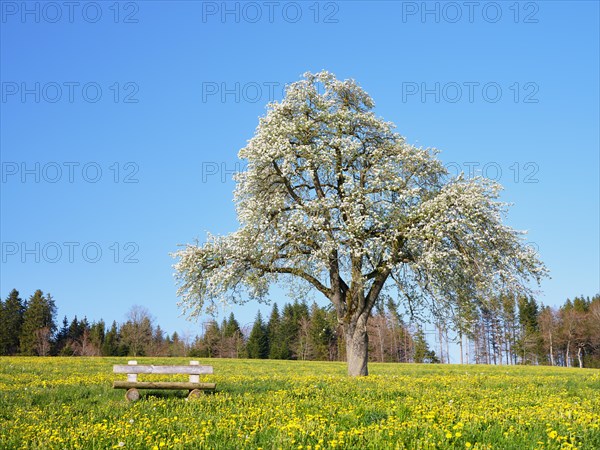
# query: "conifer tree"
[231,326]
[11,321]
[422,353]
[209,344]
[97,335]
[530,341]
[258,345]
[110,346]
[320,334]
[38,324]
[274,332]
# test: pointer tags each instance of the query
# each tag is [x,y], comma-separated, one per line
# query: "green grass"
[68,403]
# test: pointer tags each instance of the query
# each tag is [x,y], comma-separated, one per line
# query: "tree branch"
[287,184]
[299,273]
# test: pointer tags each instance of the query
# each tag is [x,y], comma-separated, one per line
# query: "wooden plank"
[185,370]
[163,385]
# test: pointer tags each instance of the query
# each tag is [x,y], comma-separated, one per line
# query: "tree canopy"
[333,196]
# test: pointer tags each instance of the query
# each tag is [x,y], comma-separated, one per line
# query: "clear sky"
[121,123]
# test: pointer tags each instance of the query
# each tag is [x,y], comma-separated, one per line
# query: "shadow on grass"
[168,394]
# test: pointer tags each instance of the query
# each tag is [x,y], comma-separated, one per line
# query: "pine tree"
[232,327]
[97,335]
[11,322]
[110,346]
[287,333]
[158,347]
[38,324]
[290,340]
[137,332]
[320,334]
[530,341]
[274,335]
[422,353]
[580,304]
[75,329]
[61,340]
[82,343]
[209,344]
[177,346]
[232,341]
[257,346]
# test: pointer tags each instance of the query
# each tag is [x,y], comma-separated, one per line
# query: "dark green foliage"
[529,343]
[207,345]
[11,322]
[61,339]
[528,313]
[231,327]
[110,346]
[38,325]
[503,330]
[292,342]
[97,334]
[422,353]
[321,335]
[258,343]
[277,346]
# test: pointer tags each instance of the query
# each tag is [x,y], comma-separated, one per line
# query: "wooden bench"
[194,370]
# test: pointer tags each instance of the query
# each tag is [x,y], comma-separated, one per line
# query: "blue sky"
[120,123]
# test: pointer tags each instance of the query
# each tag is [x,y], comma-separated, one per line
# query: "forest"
[505,330]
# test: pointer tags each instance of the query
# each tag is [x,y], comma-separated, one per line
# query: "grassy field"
[68,403]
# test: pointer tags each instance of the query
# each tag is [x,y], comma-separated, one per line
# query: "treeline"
[508,330]
[298,332]
[504,330]
[29,328]
[311,333]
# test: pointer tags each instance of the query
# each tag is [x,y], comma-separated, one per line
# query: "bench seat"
[163,385]
[194,370]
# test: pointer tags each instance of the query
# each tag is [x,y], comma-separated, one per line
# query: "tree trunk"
[579,357]
[394,350]
[441,343]
[357,348]
[381,342]
[447,347]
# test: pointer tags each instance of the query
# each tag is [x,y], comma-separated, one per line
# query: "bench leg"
[132,395]
[195,393]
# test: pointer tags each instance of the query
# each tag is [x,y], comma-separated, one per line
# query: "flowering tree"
[332,196]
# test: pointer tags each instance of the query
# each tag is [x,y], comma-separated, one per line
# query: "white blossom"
[333,195]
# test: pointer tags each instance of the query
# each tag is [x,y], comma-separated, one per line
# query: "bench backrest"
[132,369]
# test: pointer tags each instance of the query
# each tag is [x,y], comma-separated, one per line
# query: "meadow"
[69,403]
